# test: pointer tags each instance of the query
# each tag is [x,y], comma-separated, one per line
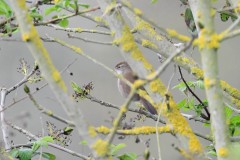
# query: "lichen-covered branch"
[156,89]
[166,48]
[49,72]
[204,18]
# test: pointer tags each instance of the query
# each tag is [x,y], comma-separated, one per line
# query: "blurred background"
[166,14]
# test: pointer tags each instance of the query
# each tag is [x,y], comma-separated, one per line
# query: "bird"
[125,70]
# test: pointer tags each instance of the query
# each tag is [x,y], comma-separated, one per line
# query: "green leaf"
[228,112]
[5,9]
[189,20]
[63,23]
[76,88]
[116,148]
[14,152]
[211,150]
[66,3]
[235,148]
[153,1]
[128,156]
[47,139]
[224,17]
[49,10]
[84,142]
[181,86]
[212,153]
[226,14]
[25,154]
[48,156]
[235,120]
[67,130]
[84,5]
[35,147]
[182,103]
[199,84]
[36,15]
[42,142]
[73,6]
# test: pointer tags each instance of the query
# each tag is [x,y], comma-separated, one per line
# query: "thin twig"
[123,109]
[39,88]
[66,16]
[199,100]
[32,136]
[90,40]
[23,81]
[233,25]
[49,112]
[78,30]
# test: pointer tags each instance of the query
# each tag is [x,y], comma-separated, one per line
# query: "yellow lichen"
[235,102]
[157,86]
[215,41]
[128,44]
[56,76]
[145,95]
[194,144]
[100,20]
[78,29]
[138,83]
[144,26]
[207,40]
[115,123]
[231,90]
[113,33]
[43,59]
[25,37]
[49,112]
[137,11]
[223,152]
[101,147]
[200,42]
[148,44]
[184,60]
[197,72]
[78,50]
[103,130]
[181,126]
[123,109]
[56,1]
[127,3]
[175,34]
[145,130]
[91,131]
[213,12]
[208,83]
[237,9]
[110,8]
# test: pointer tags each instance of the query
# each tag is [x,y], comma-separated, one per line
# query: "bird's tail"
[148,106]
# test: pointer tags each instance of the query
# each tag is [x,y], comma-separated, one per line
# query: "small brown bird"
[125,70]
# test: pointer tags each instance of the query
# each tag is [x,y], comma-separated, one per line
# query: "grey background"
[166,14]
